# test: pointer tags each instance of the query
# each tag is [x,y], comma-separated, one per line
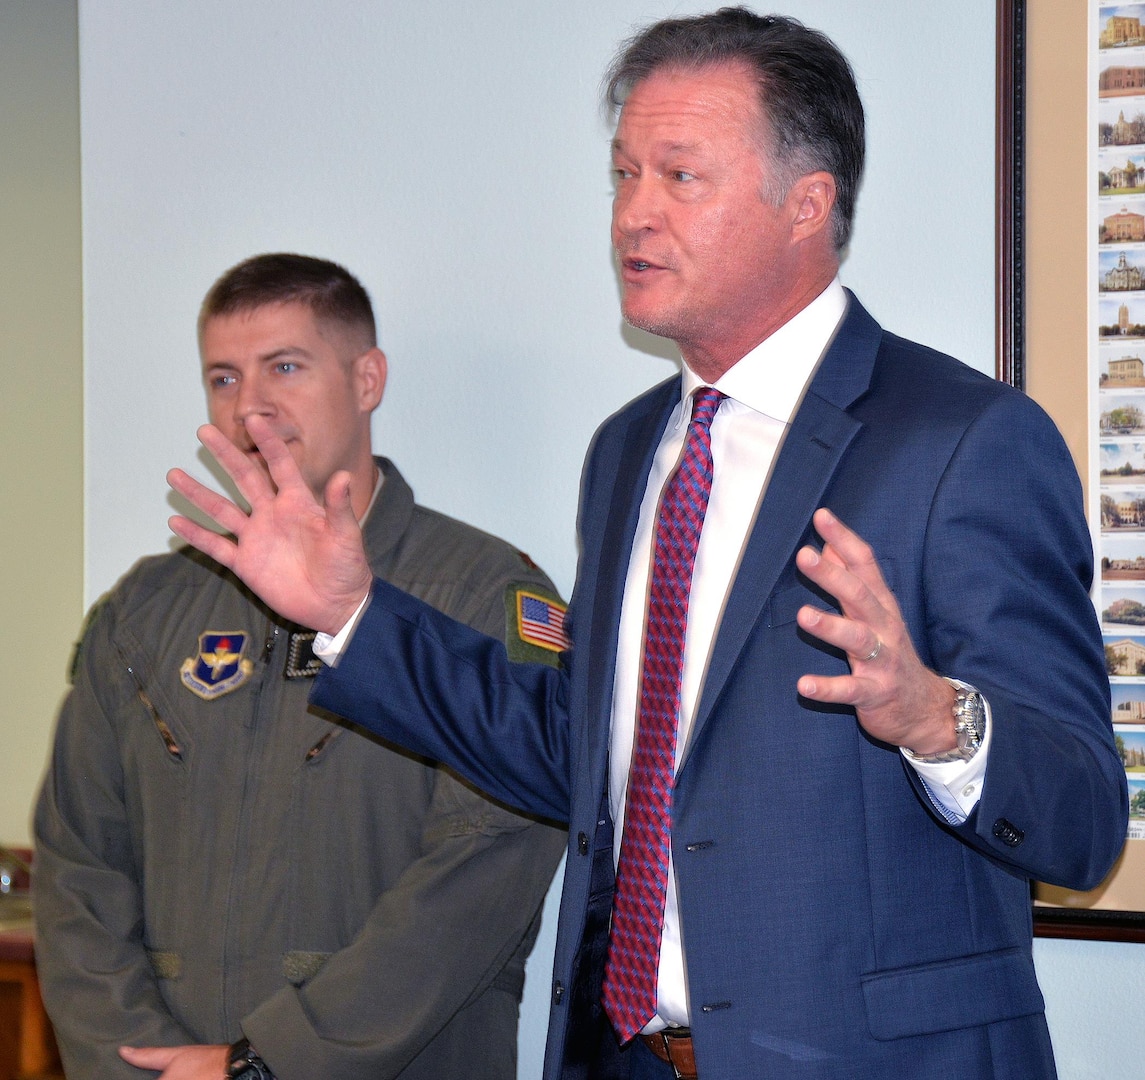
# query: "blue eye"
[218,382]
[286,367]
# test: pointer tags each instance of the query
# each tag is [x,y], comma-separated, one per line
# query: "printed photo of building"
[1121,276]
[1121,318]
[1122,463]
[1115,128]
[1124,371]
[1123,227]
[1129,712]
[1121,81]
[1120,31]
[1125,656]
[1126,513]
[1123,606]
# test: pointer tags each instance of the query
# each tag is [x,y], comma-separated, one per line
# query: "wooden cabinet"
[27,1045]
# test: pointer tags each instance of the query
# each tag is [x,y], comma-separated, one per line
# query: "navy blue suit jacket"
[834,924]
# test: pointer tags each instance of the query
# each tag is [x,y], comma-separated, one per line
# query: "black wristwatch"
[243,1063]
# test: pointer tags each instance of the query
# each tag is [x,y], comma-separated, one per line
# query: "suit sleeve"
[1007,569]
[97,981]
[432,684]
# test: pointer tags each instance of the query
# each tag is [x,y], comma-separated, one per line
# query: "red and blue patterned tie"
[629,991]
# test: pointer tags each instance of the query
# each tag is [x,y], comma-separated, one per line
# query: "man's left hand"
[179,1062]
[897,699]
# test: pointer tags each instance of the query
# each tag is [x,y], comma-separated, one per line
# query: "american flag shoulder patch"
[541,621]
[534,624]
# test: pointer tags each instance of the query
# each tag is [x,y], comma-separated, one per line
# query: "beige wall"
[1057,168]
[41,393]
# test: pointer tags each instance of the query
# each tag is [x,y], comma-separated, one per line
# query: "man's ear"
[812,198]
[370,370]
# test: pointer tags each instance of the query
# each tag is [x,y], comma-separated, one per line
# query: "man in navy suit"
[882,729]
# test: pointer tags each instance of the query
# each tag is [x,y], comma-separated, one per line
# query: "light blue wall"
[453,155]
[1092,989]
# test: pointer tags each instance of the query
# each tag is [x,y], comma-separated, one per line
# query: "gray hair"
[806,87]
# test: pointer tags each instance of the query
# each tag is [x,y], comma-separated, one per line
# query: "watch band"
[969,725]
[243,1063]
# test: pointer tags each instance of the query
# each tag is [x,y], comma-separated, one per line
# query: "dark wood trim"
[1010,166]
[1090,924]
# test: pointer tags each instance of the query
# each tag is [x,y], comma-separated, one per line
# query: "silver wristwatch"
[969,725]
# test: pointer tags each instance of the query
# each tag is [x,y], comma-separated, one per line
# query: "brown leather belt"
[674,1045]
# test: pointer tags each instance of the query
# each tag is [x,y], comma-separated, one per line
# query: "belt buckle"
[670,1035]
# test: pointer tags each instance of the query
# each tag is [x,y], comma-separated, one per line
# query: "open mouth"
[639,266]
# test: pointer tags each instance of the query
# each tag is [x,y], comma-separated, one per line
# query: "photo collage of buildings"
[1120,377]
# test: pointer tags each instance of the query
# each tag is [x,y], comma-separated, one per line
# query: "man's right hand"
[179,1062]
[303,558]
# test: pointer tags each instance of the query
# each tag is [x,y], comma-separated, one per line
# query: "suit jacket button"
[558,991]
[582,843]
[1008,833]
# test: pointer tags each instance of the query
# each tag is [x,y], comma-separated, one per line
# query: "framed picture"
[1076,269]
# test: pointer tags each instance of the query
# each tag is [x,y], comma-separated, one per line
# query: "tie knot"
[704,405]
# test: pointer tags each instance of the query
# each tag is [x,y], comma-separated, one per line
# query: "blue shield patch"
[220,666]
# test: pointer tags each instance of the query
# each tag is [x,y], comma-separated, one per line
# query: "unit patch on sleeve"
[220,666]
[536,625]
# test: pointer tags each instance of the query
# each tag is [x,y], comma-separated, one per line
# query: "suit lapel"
[820,433]
[623,497]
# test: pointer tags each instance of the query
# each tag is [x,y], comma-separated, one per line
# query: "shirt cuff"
[330,649]
[955,786]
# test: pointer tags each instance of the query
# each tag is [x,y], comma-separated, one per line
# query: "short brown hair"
[329,290]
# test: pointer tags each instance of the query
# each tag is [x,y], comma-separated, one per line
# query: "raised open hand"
[303,558]
[897,699]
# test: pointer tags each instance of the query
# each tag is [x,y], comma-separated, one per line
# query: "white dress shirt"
[763,391]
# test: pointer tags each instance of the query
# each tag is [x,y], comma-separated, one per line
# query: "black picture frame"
[1010,163]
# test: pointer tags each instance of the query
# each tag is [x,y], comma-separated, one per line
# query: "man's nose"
[636,207]
[252,400]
